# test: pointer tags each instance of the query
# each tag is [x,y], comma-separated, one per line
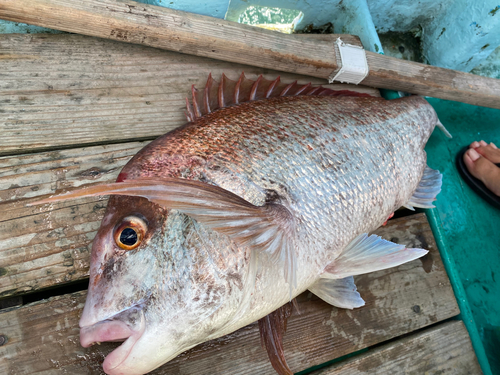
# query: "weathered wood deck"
[73,111]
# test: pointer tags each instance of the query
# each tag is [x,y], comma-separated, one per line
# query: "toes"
[483,143]
[472,155]
[483,169]
[490,152]
[493,145]
[474,144]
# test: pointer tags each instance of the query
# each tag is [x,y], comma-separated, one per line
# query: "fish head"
[159,281]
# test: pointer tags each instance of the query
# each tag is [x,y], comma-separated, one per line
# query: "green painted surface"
[470,227]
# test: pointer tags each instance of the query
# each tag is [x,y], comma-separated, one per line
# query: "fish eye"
[130,232]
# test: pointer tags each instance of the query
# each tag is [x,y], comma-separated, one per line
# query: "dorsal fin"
[227,92]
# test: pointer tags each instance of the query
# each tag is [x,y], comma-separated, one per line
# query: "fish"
[270,189]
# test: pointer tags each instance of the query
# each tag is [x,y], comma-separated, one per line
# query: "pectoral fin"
[368,254]
[338,292]
[269,229]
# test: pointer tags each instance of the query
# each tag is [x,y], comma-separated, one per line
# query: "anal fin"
[338,292]
[368,254]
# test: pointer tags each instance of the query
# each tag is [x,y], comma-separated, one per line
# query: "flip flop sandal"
[474,183]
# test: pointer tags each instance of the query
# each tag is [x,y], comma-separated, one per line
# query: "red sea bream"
[269,190]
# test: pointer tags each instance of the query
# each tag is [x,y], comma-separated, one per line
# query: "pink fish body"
[222,221]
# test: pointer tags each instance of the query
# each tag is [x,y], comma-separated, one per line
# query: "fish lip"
[110,330]
[107,330]
[114,359]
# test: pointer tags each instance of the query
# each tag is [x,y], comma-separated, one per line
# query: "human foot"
[482,167]
[489,151]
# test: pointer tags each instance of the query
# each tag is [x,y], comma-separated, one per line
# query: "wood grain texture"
[395,74]
[47,245]
[43,337]
[189,33]
[178,31]
[442,349]
[61,90]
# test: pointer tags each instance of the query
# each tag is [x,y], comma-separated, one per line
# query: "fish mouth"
[116,329]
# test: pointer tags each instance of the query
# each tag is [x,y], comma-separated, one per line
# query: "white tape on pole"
[353,64]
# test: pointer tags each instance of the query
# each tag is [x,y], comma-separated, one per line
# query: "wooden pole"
[391,73]
[189,33]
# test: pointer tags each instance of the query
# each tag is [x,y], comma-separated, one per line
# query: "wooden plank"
[60,90]
[44,246]
[174,30]
[229,41]
[443,349]
[43,336]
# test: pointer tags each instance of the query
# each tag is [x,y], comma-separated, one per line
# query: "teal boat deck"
[470,227]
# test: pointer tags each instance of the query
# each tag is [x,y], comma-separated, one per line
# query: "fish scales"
[302,179]
[291,144]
